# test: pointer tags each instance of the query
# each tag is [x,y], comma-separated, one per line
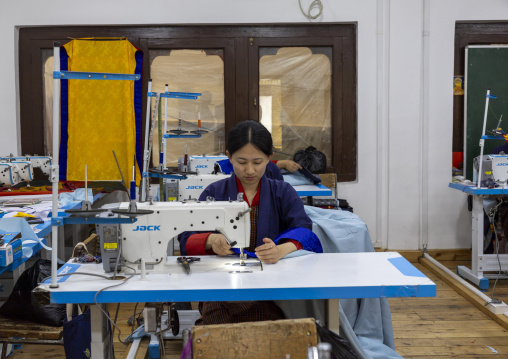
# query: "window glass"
[200,71]
[295,98]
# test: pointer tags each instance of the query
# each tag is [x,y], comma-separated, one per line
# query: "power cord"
[105,313]
[493,213]
[316,4]
[103,289]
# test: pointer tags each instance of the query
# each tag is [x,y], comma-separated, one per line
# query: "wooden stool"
[252,340]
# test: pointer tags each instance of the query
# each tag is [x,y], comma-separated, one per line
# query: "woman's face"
[249,164]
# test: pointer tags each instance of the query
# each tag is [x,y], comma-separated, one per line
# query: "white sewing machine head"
[149,236]
[494,167]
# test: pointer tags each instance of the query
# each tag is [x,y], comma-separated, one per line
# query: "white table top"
[313,276]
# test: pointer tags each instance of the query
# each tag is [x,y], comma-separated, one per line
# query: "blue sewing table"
[481,262]
[10,274]
[341,275]
[312,190]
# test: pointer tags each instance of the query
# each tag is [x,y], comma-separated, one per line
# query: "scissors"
[186,261]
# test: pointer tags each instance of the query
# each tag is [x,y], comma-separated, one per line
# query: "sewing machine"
[14,171]
[191,187]
[200,164]
[7,174]
[146,240]
[21,169]
[42,162]
[494,168]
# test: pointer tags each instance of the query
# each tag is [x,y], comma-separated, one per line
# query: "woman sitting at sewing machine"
[279,224]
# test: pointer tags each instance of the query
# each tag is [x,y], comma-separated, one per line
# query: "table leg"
[4,350]
[44,253]
[475,274]
[61,244]
[100,345]
[332,315]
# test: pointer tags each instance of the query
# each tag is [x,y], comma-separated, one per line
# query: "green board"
[486,68]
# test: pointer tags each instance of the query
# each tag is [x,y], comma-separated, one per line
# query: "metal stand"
[481,262]
[55,169]
[482,139]
[148,138]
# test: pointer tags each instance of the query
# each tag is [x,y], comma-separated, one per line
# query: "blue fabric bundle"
[367,322]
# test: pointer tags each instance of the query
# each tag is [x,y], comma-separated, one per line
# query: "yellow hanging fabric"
[101,114]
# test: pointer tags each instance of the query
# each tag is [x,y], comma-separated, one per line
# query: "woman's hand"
[289,165]
[268,252]
[271,253]
[219,244]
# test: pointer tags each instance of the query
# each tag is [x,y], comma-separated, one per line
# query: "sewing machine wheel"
[199,131]
[85,212]
[126,212]
[171,172]
[174,321]
[178,132]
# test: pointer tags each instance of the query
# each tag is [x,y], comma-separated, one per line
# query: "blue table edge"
[472,189]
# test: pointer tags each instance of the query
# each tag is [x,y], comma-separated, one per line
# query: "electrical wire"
[493,213]
[316,4]
[68,274]
[105,313]
[100,291]
[500,270]
[161,336]
[116,318]
[492,111]
[134,318]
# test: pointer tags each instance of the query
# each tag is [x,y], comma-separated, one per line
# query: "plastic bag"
[341,348]
[22,304]
[311,159]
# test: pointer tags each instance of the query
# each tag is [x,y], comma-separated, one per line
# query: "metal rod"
[86,184]
[146,156]
[165,127]
[482,140]
[55,168]
[120,170]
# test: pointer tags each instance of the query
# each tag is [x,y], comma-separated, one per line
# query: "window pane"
[295,98]
[199,71]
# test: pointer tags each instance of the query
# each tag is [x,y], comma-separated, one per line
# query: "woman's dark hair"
[250,132]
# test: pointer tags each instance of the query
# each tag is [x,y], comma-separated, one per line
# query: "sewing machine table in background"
[481,262]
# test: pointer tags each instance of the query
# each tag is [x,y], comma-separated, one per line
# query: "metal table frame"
[481,262]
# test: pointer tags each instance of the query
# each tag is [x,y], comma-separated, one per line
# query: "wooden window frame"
[471,33]
[241,75]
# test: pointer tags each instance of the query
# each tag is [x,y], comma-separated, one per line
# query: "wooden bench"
[18,331]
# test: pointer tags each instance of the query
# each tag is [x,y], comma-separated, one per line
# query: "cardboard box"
[11,249]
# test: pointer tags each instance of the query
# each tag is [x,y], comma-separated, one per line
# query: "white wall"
[404,117]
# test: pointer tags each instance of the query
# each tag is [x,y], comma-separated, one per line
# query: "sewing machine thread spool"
[324,350]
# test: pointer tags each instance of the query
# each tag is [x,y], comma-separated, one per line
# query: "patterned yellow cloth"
[101,113]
